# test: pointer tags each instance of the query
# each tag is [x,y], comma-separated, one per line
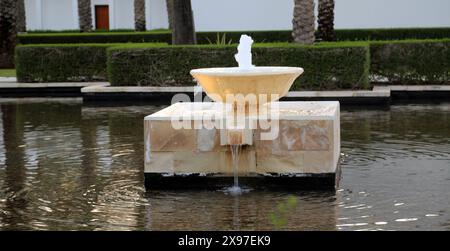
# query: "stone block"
[165,138]
[160,162]
[307,143]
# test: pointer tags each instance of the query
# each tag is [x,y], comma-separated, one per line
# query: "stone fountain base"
[304,155]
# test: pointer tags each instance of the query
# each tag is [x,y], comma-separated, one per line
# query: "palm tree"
[326,20]
[183,30]
[169,6]
[21,19]
[8,32]
[303,22]
[85,15]
[139,15]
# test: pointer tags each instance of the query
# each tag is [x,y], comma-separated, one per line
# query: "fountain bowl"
[274,82]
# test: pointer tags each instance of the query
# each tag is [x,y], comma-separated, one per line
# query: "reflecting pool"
[69,166]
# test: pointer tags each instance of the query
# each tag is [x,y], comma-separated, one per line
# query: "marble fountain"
[246,136]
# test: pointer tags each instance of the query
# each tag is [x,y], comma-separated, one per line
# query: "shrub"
[61,63]
[145,37]
[392,34]
[412,62]
[164,36]
[326,66]
[95,37]
[97,30]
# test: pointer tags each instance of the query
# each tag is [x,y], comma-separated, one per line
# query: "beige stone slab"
[56,84]
[414,87]
[147,148]
[315,135]
[8,79]
[160,162]
[191,111]
[197,162]
[337,138]
[335,94]
[163,137]
[31,100]
[140,89]
[296,136]
[289,110]
[213,162]
[296,162]
[286,162]
[318,162]
[209,140]
[308,141]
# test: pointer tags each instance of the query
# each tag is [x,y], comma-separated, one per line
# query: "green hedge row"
[61,63]
[392,34]
[340,65]
[78,31]
[326,67]
[95,37]
[145,37]
[411,62]
[207,37]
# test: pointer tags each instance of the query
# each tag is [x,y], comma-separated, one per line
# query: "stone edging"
[93,91]
[6,85]
[378,95]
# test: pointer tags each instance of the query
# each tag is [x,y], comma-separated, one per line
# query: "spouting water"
[244,55]
[244,60]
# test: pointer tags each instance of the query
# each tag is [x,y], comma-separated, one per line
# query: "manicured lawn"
[7,72]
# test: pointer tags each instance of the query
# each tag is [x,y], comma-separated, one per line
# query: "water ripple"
[65,166]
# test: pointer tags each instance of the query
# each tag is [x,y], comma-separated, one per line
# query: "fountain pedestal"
[304,154]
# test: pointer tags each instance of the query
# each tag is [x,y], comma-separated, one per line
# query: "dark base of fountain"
[321,181]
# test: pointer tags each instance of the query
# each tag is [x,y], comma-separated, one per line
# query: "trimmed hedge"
[61,63]
[411,62]
[392,34]
[341,34]
[327,67]
[95,37]
[206,37]
[146,37]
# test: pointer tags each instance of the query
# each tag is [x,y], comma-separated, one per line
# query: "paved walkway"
[103,91]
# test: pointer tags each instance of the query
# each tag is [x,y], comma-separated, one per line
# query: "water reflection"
[66,166]
[14,182]
[215,210]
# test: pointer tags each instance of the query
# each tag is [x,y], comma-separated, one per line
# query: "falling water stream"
[235,189]
[235,155]
[244,60]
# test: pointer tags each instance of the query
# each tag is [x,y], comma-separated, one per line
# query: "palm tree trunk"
[303,23]
[183,23]
[85,15]
[21,18]
[139,15]
[326,20]
[8,32]
[169,6]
